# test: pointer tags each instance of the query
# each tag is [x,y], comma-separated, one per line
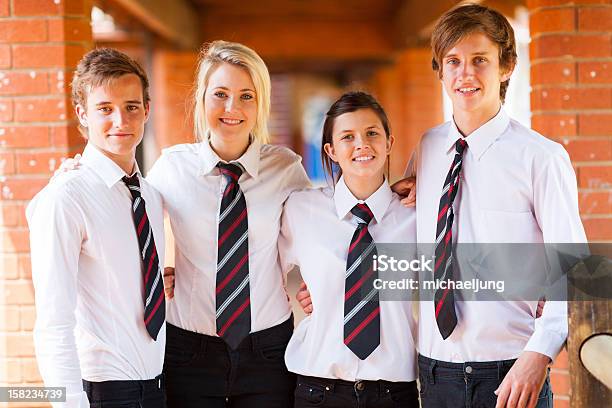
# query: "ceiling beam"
[298,39]
[175,21]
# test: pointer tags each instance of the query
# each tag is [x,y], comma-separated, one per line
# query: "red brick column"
[171,87]
[40,44]
[571,100]
[411,94]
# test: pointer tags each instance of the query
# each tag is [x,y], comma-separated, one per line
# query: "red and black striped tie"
[444,299]
[154,302]
[233,289]
[361,303]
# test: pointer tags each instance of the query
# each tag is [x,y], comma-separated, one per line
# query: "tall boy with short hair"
[97,245]
[485,178]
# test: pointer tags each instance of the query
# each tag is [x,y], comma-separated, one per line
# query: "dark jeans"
[468,385]
[202,371]
[325,392]
[126,394]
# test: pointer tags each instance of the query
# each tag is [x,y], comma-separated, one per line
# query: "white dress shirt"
[516,187]
[191,187]
[87,274]
[317,229]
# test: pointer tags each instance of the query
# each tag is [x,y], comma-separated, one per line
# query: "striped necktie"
[233,290]
[444,299]
[361,304]
[154,302]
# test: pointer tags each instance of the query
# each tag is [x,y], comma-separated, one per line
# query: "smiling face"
[114,117]
[472,76]
[230,104]
[360,146]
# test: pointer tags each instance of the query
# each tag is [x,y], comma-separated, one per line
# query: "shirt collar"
[104,167]
[482,138]
[378,202]
[249,161]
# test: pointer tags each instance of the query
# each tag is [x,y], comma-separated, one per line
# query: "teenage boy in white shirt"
[506,184]
[97,245]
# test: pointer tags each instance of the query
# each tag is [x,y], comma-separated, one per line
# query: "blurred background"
[315,50]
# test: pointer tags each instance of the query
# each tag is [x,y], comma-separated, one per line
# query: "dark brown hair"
[459,22]
[348,102]
[99,67]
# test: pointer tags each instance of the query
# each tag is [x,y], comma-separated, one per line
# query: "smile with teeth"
[363,158]
[231,121]
[467,90]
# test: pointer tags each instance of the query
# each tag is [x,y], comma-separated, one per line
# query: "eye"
[132,108]
[480,60]
[452,61]
[220,94]
[347,137]
[105,109]
[246,97]
[372,133]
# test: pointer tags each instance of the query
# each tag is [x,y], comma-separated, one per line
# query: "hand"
[406,188]
[540,309]
[169,282]
[303,296]
[68,165]
[521,386]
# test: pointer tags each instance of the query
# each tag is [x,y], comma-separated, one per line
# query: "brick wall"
[571,100]
[412,97]
[40,43]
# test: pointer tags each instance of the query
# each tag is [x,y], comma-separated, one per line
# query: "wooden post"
[590,314]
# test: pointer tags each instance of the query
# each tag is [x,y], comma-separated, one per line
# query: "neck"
[228,150]
[468,122]
[363,187]
[126,163]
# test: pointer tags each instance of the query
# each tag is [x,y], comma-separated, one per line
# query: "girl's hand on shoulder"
[406,189]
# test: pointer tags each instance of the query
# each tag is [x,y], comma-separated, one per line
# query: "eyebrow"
[134,101]
[368,128]
[227,89]
[474,53]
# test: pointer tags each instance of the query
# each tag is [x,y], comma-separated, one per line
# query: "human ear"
[81,113]
[147,109]
[390,141]
[506,73]
[330,151]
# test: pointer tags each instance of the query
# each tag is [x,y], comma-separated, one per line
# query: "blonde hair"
[217,53]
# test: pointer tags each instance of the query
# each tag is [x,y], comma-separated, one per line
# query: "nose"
[361,141]
[466,69]
[120,118]
[229,104]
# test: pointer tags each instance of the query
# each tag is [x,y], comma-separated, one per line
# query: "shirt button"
[468,369]
[360,386]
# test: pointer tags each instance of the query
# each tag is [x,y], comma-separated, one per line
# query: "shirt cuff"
[74,399]
[546,342]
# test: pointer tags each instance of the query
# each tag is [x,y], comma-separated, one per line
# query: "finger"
[412,197]
[502,393]
[524,398]
[169,271]
[169,292]
[308,310]
[305,303]
[406,202]
[533,400]
[513,398]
